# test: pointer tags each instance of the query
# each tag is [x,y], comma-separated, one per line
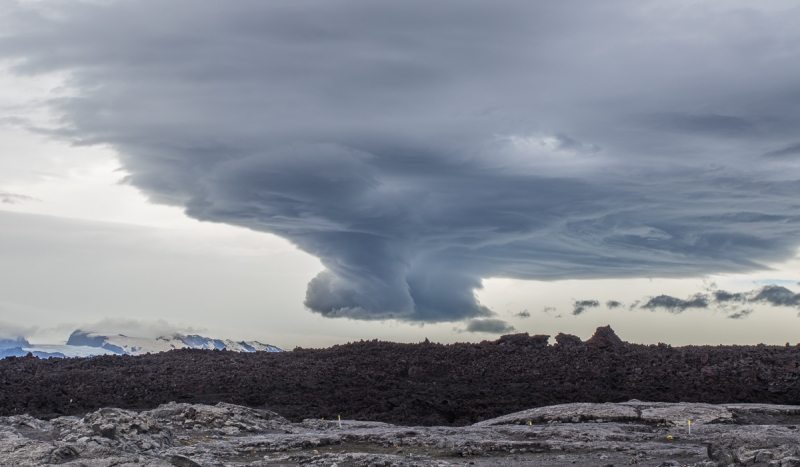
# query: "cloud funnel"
[416,148]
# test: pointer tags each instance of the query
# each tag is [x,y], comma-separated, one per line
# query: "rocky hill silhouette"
[409,384]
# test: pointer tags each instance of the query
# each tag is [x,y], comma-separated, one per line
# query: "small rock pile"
[223,418]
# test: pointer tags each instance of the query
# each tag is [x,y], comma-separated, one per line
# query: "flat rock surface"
[584,434]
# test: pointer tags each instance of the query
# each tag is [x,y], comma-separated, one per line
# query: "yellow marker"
[340,421]
[690,426]
[670,437]
[530,423]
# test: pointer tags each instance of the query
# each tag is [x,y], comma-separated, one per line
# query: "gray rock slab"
[192,435]
[681,414]
[566,413]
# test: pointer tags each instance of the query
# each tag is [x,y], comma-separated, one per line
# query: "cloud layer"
[489,325]
[14,198]
[579,306]
[418,147]
[676,305]
[772,294]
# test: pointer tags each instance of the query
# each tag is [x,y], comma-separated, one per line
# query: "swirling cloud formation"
[417,147]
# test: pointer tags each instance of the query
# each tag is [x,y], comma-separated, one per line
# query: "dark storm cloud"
[611,304]
[676,305]
[489,325]
[417,147]
[579,306]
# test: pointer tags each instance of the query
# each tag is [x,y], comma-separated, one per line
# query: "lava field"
[408,384]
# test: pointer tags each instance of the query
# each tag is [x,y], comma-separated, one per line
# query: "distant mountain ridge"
[19,347]
[15,342]
[125,345]
[89,344]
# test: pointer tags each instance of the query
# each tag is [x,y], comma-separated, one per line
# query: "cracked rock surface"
[584,434]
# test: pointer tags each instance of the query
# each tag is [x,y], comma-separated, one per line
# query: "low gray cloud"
[676,305]
[729,301]
[418,147]
[722,296]
[15,198]
[775,295]
[523,314]
[579,306]
[137,327]
[10,331]
[489,325]
[790,150]
[611,304]
[708,123]
[741,314]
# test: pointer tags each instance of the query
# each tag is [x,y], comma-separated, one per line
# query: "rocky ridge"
[408,384]
[195,435]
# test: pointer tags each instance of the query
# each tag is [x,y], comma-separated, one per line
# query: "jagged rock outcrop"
[568,340]
[604,338]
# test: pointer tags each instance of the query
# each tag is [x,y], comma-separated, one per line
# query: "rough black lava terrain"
[424,384]
[513,402]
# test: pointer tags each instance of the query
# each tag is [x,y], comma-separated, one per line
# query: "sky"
[306,173]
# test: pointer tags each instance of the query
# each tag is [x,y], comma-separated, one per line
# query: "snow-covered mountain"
[19,347]
[90,344]
[122,344]
[54,351]
[15,342]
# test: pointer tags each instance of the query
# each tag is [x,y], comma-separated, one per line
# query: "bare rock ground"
[583,434]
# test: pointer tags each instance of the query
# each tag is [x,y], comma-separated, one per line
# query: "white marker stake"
[340,422]
[690,428]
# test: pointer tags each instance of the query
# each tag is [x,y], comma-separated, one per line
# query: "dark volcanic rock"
[604,337]
[539,340]
[409,384]
[568,340]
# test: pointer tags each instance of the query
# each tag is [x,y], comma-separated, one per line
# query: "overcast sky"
[312,172]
